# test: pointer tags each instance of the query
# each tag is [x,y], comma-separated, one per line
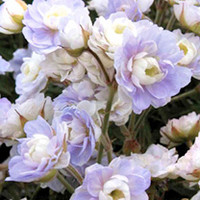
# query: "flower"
[187,13]
[4,66]
[196,196]
[41,153]
[93,69]
[107,36]
[146,66]
[190,45]
[11,16]
[42,21]
[134,9]
[119,180]
[158,160]
[83,134]
[188,166]
[74,32]
[92,98]
[178,131]
[99,6]
[60,66]
[14,116]
[31,80]
[17,60]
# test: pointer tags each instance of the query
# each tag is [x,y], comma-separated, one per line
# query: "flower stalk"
[105,140]
[69,188]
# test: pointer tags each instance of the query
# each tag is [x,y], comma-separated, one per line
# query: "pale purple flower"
[83,134]
[40,154]
[42,22]
[120,180]
[4,66]
[134,9]
[146,66]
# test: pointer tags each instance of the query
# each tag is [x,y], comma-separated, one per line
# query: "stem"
[140,120]
[132,122]
[35,193]
[101,65]
[75,173]
[124,130]
[171,22]
[69,188]
[105,125]
[186,94]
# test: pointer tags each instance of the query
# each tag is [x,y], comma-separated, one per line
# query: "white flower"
[12,123]
[144,5]
[99,5]
[31,80]
[121,108]
[188,166]
[107,36]
[11,15]
[188,13]
[93,68]
[196,196]
[60,66]
[190,45]
[74,32]
[178,131]
[158,160]
[147,70]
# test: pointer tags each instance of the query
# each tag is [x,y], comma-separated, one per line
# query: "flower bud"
[11,16]
[181,130]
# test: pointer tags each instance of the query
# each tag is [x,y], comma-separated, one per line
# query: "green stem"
[140,120]
[125,131]
[35,193]
[171,22]
[105,126]
[158,15]
[69,188]
[101,65]
[186,94]
[75,173]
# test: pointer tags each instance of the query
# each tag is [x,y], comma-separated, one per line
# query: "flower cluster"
[85,84]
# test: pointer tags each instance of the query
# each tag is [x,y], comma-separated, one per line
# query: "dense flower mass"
[42,21]
[92,90]
[120,180]
[134,9]
[41,153]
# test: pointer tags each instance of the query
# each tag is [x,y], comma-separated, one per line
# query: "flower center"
[117,194]
[147,70]
[38,148]
[189,51]
[31,67]
[53,16]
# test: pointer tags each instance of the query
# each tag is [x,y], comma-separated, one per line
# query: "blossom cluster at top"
[122,63]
